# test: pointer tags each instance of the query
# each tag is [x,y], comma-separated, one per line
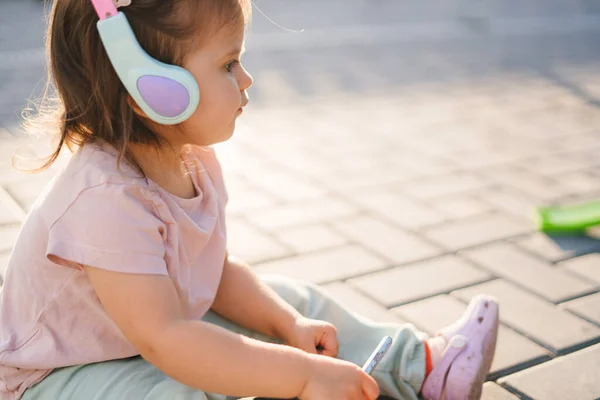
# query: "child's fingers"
[370,388]
[310,348]
[329,343]
[330,352]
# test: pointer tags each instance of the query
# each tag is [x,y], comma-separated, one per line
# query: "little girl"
[120,285]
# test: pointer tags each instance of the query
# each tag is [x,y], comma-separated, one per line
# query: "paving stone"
[534,317]
[8,236]
[574,376]
[245,198]
[552,125]
[236,161]
[326,266]
[287,186]
[10,210]
[298,214]
[459,234]
[578,142]
[9,174]
[432,314]
[460,206]
[534,185]
[580,181]
[544,246]
[556,248]
[354,177]
[26,190]
[6,216]
[587,307]
[552,165]
[310,238]
[509,200]
[252,245]
[393,243]
[416,281]
[508,261]
[587,158]
[3,265]
[10,147]
[399,209]
[582,198]
[483,157]
[445,186]
[426,165]
[492,391]
[587,266]
[354,300]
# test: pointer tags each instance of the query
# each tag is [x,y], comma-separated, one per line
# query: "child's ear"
[136,109]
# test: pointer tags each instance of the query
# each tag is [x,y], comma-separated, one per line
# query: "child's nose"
[246,80]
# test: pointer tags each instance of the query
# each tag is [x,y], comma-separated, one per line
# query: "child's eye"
[229,66]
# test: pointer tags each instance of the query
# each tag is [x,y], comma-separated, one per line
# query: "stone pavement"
[397,166]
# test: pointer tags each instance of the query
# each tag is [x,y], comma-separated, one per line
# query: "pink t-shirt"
[95,213]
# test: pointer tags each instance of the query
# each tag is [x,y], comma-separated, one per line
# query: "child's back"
[92,206]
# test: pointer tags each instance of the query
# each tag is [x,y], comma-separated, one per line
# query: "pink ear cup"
[164,96]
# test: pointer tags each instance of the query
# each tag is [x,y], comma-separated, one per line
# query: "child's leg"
[401,372]
[130,378]
[457,359]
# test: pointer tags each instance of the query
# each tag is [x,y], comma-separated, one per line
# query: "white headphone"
[167,94]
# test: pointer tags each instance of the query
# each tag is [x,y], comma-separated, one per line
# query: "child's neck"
[166,168]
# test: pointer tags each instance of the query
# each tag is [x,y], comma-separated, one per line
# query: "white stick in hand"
[377,355]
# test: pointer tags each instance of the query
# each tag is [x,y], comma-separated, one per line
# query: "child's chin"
[222,138]
[229,136]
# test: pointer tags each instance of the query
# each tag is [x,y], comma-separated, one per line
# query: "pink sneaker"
[466,361]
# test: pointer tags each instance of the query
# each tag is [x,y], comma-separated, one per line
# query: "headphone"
[167,94]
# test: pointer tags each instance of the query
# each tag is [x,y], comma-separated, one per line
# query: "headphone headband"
[104,8]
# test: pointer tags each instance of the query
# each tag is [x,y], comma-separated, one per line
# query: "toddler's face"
[223,82]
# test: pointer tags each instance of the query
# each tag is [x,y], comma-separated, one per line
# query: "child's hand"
[331,378]
[314,336]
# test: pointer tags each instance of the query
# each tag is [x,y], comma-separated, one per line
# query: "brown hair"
[91,104]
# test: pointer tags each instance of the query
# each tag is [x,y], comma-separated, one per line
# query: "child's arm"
[147,310]
[245,300]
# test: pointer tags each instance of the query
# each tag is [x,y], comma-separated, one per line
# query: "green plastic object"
[568,219]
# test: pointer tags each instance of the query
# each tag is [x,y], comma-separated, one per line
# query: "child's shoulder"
[95,164]
[91,172]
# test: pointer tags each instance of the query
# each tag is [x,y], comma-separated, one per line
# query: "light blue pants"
[399,375]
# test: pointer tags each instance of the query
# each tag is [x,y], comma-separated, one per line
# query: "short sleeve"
[112,227]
